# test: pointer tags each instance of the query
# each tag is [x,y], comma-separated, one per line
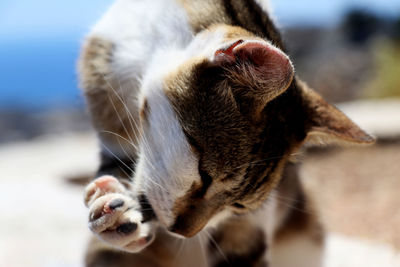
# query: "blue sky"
[48,17]
[327,12]
[40,40]
[39,46]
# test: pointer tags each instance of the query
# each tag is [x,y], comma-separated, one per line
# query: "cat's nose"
[182,229]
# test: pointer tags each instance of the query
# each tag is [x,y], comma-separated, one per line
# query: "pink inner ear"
[266,62]
[262,55]
[227,54]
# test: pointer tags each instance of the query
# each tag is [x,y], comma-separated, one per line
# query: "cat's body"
[199,98]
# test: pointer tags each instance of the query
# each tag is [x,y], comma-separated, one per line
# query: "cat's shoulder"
[134,31]
[150,22]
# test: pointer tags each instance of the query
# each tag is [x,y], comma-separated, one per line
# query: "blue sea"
[39,74]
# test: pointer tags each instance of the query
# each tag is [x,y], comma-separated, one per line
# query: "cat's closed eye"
[238,205]
[206,180]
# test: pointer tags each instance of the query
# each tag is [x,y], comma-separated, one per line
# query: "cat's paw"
[115,217]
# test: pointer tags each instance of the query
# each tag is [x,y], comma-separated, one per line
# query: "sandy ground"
[43,219]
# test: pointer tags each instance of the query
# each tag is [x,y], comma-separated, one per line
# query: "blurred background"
[348,50]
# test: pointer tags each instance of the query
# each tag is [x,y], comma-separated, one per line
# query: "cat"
[200,115]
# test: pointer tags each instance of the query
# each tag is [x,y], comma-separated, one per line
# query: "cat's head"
[219,119]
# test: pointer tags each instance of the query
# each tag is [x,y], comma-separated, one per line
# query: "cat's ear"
[258,71]
[327,124]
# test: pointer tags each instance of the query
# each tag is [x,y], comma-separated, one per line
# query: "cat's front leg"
[115,215]
[237,243]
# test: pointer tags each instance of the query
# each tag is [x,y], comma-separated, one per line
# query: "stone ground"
[43,219]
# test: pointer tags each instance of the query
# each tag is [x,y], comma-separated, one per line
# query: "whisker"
[265,159]
[180,249]
[119,117]
[292,204]
[120,136]
[127,174]
[130,116]
[144,140]
[115,156]
[201,239]
[216,245]
[126,153]
[122,147]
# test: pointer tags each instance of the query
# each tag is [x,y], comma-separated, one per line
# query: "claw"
[115,203]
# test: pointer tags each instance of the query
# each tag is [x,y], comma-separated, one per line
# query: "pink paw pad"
[105,182]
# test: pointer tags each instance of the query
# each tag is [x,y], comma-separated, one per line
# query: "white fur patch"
[167,167]
[138,29]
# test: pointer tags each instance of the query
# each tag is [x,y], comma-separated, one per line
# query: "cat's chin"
[211,224]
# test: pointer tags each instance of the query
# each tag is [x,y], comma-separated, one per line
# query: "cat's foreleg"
[237,242]
[299,248]
[300,238]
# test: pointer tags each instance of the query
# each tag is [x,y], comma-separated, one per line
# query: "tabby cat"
[200,112]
